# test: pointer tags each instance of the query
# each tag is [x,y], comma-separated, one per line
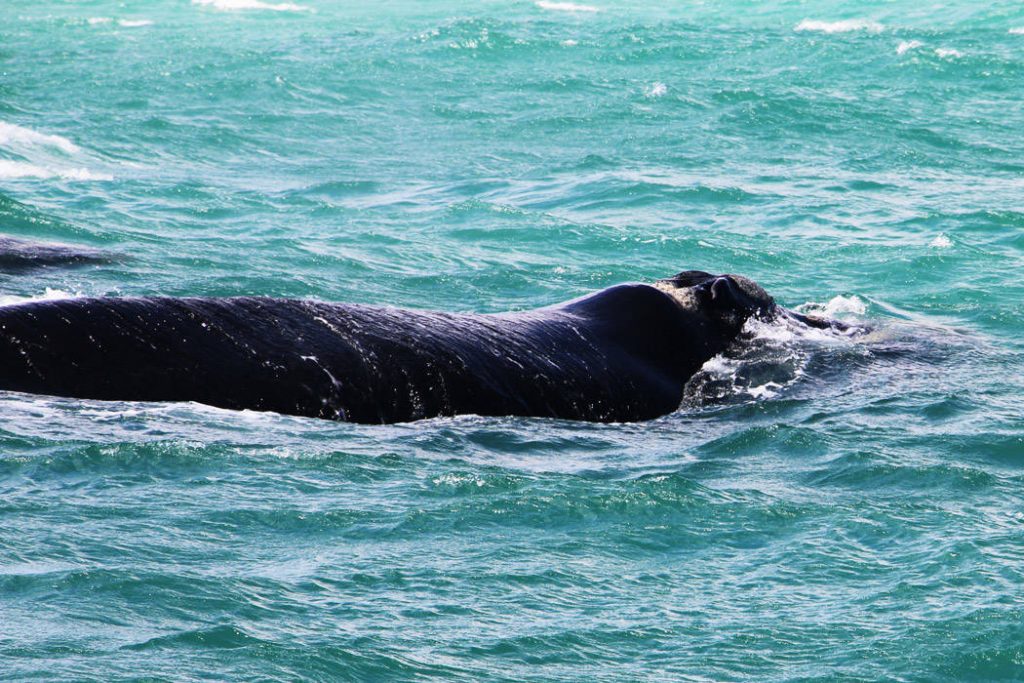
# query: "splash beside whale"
[621,354]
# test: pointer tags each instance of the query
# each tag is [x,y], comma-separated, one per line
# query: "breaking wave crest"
[566,6]
[231,5]
[843,26]
[12,135]
[27,153]
[49,294]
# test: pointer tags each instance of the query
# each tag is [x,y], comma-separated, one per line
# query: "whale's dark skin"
[621,354]
[18,255]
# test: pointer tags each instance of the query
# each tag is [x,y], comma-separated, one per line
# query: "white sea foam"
[1019,31]
[23,169]
[48,295]
[12,135]
[941,242]
[566,6]
[836,306]
[656,89]
[772,356]
[766,390]
[98,20]
[251,4]
[842,26]
[40,155]
[907,46]
[569,43]
[948,53]
[134,23]
[455,479]
[761,367]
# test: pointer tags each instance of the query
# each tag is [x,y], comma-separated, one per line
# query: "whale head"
[728,301]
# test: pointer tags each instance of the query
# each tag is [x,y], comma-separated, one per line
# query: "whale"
[19,255]
[622,354]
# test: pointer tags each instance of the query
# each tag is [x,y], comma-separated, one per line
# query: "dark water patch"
[742,442]
[299,521]
[463,112]
[1004,448]
[949,408]
[144,460]
[216,638]
[344,188]
[652,513]
[596,195]
[876,471]
[865,185]
[512,442]
[29,222]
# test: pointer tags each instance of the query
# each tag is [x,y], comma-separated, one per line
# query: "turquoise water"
[824,509]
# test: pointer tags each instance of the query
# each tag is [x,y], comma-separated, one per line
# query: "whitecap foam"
[134,23]
[12,135]
[907,46]
[656,89]
[948,53]
[10,170]
[48,295]
[93,21]
[569,43]
[455,479]
[836,306]
[1019,31]
[941,242]
[251,4]
[842,26]
[28,153]
[565,6]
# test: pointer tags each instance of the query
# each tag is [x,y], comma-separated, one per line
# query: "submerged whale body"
[17,255]
[621,354]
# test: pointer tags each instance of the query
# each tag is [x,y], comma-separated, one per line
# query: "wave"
[842,26]
[251,4]
[41,155]
[14,135]
[602,190]
[10,170]
[48,295]
[566,6]
[1019,31]
[907,46]
[126,23]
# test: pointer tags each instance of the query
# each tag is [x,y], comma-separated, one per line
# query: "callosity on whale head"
[728,300]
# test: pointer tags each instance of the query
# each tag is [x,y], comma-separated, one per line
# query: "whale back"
[621,354]
[339,361]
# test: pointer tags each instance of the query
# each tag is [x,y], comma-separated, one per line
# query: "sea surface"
[821,507]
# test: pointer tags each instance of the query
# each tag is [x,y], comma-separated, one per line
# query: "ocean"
[822,507]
